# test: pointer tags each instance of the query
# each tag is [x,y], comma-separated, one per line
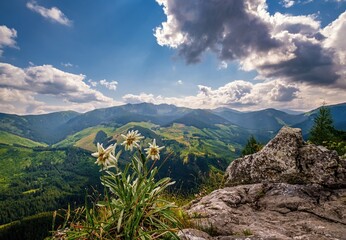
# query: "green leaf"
[120,220]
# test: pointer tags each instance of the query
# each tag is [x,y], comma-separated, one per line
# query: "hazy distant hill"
[267,119]
[201,119]
[41,128]
[54,127]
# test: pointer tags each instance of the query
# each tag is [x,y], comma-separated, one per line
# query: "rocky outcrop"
[271,211]
[288,159]
[288,190]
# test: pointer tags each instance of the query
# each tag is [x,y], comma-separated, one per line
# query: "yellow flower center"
[130,140]
[101,157]
[153,151]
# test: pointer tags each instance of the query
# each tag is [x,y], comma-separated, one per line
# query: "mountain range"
[45,160]
[54,127]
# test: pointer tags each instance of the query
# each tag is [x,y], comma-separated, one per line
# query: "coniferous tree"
[252,146]
[323,129]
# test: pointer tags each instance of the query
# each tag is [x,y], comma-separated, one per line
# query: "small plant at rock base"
[247,232]
[133,207]
[338,146]
[209,228]
[184,218]
[212,181]
[197,215]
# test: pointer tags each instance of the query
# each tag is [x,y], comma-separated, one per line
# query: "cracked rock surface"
[287,158]
[289,190]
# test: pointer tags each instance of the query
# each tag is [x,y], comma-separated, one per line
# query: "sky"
[247,55]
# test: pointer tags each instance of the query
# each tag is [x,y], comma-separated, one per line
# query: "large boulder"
[288,190]
[288,159]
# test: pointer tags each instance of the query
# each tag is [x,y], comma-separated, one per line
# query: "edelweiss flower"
[131,139]
[153,151]
[105,157]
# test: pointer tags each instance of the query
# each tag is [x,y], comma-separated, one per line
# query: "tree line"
[322,133]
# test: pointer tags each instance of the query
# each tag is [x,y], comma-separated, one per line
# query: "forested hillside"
[34,180]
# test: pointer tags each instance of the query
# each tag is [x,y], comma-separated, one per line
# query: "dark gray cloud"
[228,28]
[278,46]
[312,64]
[283,93]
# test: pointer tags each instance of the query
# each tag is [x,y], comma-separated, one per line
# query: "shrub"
[338,146]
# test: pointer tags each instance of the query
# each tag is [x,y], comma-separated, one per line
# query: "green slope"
[84,139]
[11,139]
[221,141]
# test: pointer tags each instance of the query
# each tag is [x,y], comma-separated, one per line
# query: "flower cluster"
[106,157]
[134,206]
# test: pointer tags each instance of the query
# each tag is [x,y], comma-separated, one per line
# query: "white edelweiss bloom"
[105,157]
[153,151]
[132,138]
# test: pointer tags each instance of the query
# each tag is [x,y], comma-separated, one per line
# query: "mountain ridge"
[54,127]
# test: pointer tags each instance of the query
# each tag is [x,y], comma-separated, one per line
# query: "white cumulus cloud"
[111,85]
[243,95]
[53,14]
[16,101]
[92,83]
[287,3]
[142,97]
[7,38]
[238,94]
[336,35]
[222,65]
[65,88]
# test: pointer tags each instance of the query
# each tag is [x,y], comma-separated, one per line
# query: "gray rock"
[287,158]
[193,234]
[272,211]
[288,190]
